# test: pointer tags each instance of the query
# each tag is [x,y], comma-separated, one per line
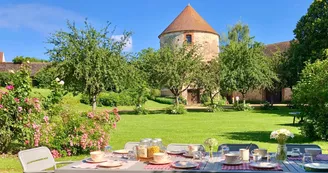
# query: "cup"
[257,157]
[260,151]
[232,158]
[244,154]
[192,149]
[307,158]
[161,157]
[97,156]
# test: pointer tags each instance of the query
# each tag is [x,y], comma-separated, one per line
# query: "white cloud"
[128,45]
[41,18]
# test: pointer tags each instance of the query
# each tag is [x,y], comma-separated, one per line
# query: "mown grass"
[194,127]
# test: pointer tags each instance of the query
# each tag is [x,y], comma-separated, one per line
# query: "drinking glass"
[131,155]
[271,157]
[296,151]
[197,155]
[224,150]
[108,151]
[307,158]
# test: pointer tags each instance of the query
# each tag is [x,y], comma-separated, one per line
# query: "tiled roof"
[272,48]
[35,66]
[189,20]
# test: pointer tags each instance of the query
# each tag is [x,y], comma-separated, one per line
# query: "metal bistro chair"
[130,145]
[302,147]
[236,147]
[177,146]
[37,160]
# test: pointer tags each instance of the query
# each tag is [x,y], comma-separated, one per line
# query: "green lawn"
[228,127]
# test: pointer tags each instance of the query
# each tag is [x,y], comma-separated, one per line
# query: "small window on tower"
[189,39]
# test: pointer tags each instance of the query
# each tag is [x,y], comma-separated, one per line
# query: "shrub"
[164,100]
[214,108]
[242,107]
[176,109]
[4,78]
[45,77]
[140,110]
[310,95]
[204,98]
[154,93]
[267,106]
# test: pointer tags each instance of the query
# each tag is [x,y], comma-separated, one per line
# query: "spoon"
[248,147]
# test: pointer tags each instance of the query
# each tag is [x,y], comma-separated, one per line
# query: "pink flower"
[10,87]
[1,106]
[36,100]
[114,125]
[91,115]
[20,109]
[16,100]
[26,100]
[26,142]
[71,143]
[68,151]
[115,111]
[55,154]
[46,119]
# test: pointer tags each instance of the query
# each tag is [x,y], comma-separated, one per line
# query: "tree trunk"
[177,100]
[94,103]
[244,101]
[212,98]
[271,100]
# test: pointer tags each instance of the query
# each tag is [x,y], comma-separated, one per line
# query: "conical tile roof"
[189,20]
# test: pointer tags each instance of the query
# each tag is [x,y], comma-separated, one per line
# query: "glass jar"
[142,148]
[153,148]
[281,154]
[160,144]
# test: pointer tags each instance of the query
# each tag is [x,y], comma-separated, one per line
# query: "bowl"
[313,151]
[97,156]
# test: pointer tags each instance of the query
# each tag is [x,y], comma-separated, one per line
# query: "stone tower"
[190,27]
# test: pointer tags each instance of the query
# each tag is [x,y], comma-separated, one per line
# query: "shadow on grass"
[281,111]
[262,136]
[291,124]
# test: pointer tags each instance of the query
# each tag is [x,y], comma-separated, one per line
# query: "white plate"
[175,152]
[121,151]
[188,155]
[263,165]
[184,164]
[290,154]
[110,164]
[160,163]
[89,160]
[235,163]
[317,165]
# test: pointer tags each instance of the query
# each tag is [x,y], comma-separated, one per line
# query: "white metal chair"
[176,146]
[130,145]
[37,160]
[236,147]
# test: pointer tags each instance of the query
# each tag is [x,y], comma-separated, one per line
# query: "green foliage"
[267,106]
[140,110]
[243,63]
[311,97]
[164,100]
[176,109]
[55,97]
[89,60]
[242,107]
[22,82]
[111,99]
[45,76]
[214,108]
[22,59]
[154,93]
[310,41]
[4,78]
[172,67]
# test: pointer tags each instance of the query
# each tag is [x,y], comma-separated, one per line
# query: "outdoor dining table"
[215,165]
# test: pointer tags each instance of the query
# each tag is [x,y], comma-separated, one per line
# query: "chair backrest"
[302,147]
[236,147]
[36,159]
[176,146]
[130,145]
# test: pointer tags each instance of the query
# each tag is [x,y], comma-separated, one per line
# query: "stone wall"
[208,43]
[287,94]
[254,95]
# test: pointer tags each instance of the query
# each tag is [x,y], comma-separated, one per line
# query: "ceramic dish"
[121,151]
[184,164]
[263,165]
[92,161]
[234,163]
[321,166]
[110,164]
[188,155]
[160,163]
[176,152]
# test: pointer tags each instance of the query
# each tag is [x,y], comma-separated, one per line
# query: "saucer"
[266,165]
[175,152]
[121,151]
[188,155]
[110,164]
[89,160]
[160,163]
[184,164]
[234,163]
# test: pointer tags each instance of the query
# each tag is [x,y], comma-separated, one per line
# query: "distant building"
[190,27]
[2,57]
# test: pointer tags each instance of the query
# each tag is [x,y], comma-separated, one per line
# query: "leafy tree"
[310,41]
[89,60]
[243,62]
[21,59]
[172,67]
[278,65]
[45,77]
[209,78]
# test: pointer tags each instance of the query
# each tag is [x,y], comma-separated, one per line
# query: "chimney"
[2,57]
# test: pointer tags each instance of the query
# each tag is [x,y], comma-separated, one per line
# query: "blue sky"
[25,24]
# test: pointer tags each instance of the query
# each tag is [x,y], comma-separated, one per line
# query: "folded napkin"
[246,166]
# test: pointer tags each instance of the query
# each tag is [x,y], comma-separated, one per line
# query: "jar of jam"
[153,148]
[142,148]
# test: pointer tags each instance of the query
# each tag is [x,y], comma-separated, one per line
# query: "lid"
[158,139]
[144,141]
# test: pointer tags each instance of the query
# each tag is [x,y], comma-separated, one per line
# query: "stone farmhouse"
[190,27]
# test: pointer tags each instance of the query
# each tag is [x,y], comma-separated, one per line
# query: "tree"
[172,67]
[89,60]
[243,62]
[21,59]
[209,78]
[278,65]
[310,41]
